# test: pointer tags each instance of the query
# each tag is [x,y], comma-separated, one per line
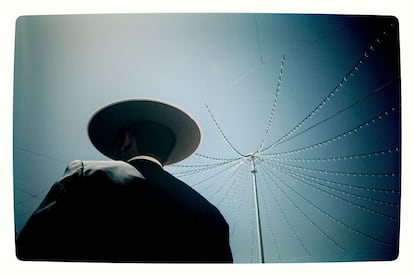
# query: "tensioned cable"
[332,93]
[347,133]
[336,158]
[336,197]
[259,46]
[222,133]
[216,158]
[341,173]
[270,224]
[41,155]
[377,90]
[285,217]
[210,177]
[292,202]
[318,181]
[332,218]
[238,212]
[236,171]
[353,186]
[240,188]
[200,168]
[272,113]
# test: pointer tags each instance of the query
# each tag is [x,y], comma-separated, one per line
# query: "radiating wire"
[236,180]
[236,171]
[377,90]
[200,168]
[222,133]
[211,177]
[353,204]
[330,217]
[258,39]
[341,173]
[352,186]
[270,173]
[335,158]
[349,132]
[315,180]
[332,93]
[40,154]
[272,113]
[270,224]
[216,158]
[200,165]
[237,213]
[285,217]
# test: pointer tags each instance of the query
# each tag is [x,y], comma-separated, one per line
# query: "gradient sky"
[317,96]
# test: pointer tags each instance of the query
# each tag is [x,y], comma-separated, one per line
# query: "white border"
[11,10]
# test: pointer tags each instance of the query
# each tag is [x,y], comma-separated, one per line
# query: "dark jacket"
[113,211]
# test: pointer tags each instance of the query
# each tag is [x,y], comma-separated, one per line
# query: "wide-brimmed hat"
[109,121]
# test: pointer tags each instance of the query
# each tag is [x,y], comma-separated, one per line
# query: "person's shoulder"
[111,168]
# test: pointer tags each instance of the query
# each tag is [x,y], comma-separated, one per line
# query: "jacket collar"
[146,157]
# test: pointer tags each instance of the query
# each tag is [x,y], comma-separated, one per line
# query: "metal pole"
[257,211]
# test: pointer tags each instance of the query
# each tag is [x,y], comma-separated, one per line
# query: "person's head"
[127,128]
[146,138]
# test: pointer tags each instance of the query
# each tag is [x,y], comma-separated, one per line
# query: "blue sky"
[320,190]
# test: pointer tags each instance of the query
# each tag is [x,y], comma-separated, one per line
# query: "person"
[129,209]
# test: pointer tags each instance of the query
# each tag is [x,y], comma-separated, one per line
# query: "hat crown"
[107,123]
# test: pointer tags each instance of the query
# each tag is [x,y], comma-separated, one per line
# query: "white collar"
[146,157]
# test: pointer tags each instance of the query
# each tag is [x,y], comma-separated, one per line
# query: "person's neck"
[146,157]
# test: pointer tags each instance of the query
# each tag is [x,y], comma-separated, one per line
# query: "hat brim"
[107,123]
